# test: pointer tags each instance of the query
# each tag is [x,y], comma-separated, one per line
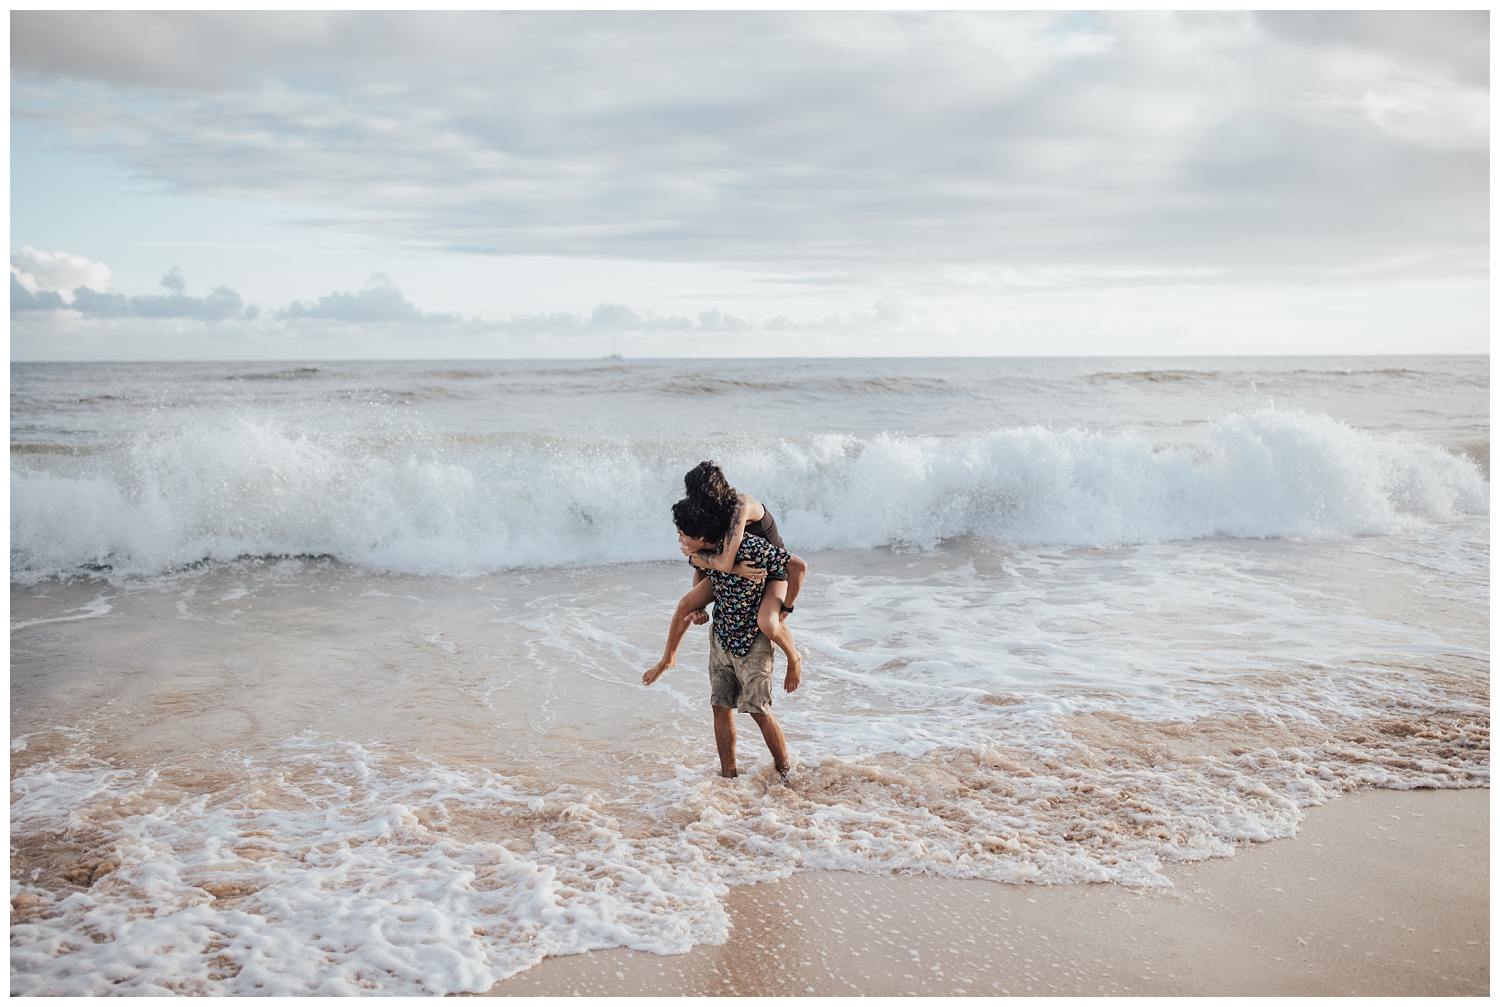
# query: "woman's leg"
[698,615]
[796,570]
[768,621]
[683,616]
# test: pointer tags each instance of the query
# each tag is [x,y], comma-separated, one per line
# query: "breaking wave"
[475,503]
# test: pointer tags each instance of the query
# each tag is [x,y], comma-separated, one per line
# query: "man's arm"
[698,598]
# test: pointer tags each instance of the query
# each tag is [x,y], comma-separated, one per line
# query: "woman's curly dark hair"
[693,519]
[707,486]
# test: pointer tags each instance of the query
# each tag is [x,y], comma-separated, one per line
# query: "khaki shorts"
[741,683]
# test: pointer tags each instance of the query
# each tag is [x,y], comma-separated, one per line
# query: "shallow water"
[314,708]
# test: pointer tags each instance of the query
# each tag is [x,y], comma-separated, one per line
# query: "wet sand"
[1381,893]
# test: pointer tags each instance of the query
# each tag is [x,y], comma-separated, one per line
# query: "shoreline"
[1381,892]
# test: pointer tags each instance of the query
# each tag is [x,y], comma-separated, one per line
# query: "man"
[740,655]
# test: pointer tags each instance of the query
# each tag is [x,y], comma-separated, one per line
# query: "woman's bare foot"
[656,670]
[793,671]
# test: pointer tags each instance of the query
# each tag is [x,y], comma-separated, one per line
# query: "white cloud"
[1441,115]
[59,272]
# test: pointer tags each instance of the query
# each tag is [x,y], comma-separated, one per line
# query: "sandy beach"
[1381,893]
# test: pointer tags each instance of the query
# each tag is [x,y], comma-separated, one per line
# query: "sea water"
[327,678]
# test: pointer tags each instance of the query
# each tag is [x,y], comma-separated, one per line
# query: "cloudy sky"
[319,186]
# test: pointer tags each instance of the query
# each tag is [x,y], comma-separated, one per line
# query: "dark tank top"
[766,528]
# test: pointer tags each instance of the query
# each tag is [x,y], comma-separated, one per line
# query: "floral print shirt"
[737,599]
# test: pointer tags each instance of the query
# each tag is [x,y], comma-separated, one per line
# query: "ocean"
[326,678]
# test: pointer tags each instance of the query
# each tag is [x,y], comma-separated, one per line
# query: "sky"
[556,185]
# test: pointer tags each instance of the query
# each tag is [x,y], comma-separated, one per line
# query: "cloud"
[220,304]
[189,50]
[42,281]
[1453,45]
[379,301]
[58,273]
[22,299]
[174,282]
[1254,145]
[1437,115]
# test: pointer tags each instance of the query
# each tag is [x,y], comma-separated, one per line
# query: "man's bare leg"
[775,741]
[724,739]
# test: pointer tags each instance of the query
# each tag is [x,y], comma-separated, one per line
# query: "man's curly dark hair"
[697,521]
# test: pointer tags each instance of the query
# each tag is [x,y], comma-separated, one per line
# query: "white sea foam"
[340,875]
[237,487]
[98,608]
[340,870]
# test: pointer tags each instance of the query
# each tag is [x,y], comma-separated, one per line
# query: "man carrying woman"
[749,579]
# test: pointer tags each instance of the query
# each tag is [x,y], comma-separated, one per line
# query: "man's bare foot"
[655,671]
[793,671]
[785,772]
[729,773]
